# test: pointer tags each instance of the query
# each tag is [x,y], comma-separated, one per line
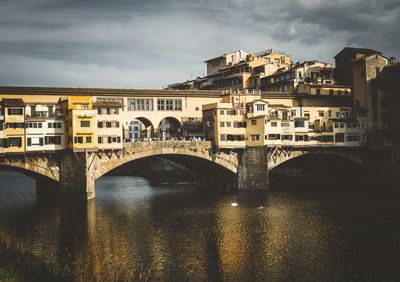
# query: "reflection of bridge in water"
[73,174]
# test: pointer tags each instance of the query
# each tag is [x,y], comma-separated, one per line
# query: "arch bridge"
[73,174]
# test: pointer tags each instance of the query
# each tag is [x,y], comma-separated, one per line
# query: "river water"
[174,232]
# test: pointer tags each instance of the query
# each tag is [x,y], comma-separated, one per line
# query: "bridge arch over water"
[182,152]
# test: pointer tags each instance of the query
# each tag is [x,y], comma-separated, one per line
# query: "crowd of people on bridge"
[149,139]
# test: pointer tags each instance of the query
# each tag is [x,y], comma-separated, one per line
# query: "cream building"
[266,123]
[109,128]
[287,79]
[13,125]
[45,128]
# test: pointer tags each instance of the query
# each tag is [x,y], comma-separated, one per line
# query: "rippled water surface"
[177,233]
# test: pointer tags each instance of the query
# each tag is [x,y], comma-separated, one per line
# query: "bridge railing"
[149,145]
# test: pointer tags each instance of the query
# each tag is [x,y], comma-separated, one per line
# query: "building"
[388,114]
[260,122]
[324,90]
[45,128]
[344,63]
[237,70]
[13,125]
[289,78]
[109,128]
[214,65]
[365,69]
[81,123]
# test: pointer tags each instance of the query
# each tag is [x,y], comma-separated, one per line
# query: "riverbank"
[18,264]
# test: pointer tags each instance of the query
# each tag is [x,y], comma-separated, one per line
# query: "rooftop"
[12,102]
[107,104]
[359,50]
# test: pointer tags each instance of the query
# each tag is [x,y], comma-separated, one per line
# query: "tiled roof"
[8,102]
[107,104]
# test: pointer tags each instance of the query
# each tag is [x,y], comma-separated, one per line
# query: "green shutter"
[29,142]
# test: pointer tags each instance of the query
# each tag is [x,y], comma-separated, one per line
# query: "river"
[175,232]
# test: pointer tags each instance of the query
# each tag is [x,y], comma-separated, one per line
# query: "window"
[274,136]
[353,138]
[52,125]
[139,105]
[78,140]
[15,141]
[178,105]
[339,137]
[255,137]
[260,107]
[318,91]
[274,124]
[14,125]
[307,115]
[331,92]
[85,123]
[228,124]
[100,124]
[329,113]
[169,104]
[15,111]
[161,105]
[222,137]
[50,111]
[88,139]
[52,140]
[321,114]
[35,141]
[222,124]
[253,122]
[221,112]
[299,123]
[287,137]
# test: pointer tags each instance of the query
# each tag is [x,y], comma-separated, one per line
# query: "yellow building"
[13,125]
[324,89]
[81,123]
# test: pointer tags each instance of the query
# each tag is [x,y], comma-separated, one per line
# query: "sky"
[153,43]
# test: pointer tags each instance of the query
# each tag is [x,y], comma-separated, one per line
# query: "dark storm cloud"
[152,43]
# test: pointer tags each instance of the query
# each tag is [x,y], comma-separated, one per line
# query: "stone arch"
[169,127]
[145,128]
[105,164]
[284,157]
[37,169]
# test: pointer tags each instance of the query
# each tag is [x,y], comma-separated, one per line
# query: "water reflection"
[174,232]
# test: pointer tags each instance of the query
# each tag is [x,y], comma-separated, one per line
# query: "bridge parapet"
[151,145]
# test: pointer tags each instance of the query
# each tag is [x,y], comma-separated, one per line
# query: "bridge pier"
[77,176]
[253,169]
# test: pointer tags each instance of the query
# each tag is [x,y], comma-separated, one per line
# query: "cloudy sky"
[152,43]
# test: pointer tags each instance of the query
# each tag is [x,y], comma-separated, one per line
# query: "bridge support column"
[77,176]
[253,168]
